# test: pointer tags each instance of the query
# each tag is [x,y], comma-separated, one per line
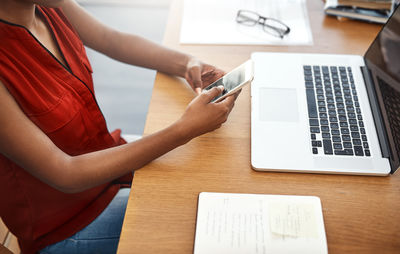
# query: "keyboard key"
[315,150]
[342,118]
[361,123]
[314,143]
[364,137]
[326,135]
[345,131]
[358,150]
[362,130]
[323,115]
[334,126]
[335,132]
[337,146]
[313,136]
[336,139]
[347,145]
[314,122]
[307,72]
[327,146]
[351,115]
[346,138]
[353,121]
[341,152]
[314,130]
[365,145]
[357,142]
[319,143]
[353,127]
[349,151]
[308,78]
[324,122]
[325,128]
[309,84]
[355,135]
[367,153]
[312,107]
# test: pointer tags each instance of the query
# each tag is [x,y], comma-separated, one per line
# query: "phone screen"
[230,81]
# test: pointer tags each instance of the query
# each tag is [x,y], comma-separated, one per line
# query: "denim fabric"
[100,236]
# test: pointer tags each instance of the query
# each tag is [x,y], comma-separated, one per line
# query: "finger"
[228,101]
[195,76]
[210,77]
[211,94]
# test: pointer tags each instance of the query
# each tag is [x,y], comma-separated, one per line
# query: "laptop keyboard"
[336,122]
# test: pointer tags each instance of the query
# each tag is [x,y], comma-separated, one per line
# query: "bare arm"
[25,144]
[124,47]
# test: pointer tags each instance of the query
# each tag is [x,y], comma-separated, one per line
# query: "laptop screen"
[383,62]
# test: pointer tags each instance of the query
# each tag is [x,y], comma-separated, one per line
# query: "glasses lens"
[247,18]
[276,27]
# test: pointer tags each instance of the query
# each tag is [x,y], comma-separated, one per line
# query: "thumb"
[212,93]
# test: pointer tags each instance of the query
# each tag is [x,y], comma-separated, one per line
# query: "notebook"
[229,223]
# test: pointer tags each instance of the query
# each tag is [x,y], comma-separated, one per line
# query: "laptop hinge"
[376,112]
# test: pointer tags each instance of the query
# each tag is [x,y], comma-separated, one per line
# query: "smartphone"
[233,81]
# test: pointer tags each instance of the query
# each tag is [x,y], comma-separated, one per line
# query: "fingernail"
[197,90]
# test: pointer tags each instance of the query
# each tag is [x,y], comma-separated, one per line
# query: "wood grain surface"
[361,213]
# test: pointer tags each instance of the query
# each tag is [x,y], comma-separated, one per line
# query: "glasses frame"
[262,21]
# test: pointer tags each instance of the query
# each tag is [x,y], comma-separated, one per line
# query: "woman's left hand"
[199,75]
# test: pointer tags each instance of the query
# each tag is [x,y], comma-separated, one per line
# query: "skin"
[25,144]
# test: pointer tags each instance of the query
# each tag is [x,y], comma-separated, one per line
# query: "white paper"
[214,22]
[253,224]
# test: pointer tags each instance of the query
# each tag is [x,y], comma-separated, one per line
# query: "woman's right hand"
[202,116]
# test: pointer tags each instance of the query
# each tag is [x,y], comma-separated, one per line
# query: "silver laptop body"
[322,113]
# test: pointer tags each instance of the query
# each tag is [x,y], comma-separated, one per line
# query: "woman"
[63,175]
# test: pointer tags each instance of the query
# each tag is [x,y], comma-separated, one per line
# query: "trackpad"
[278,105]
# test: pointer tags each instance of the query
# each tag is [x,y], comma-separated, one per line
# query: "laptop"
[334,114]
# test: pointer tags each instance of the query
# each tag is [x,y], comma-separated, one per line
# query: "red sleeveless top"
[60,101]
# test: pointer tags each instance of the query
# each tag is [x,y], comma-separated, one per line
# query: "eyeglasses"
[270,25]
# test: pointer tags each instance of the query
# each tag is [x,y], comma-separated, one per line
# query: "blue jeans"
[100,236]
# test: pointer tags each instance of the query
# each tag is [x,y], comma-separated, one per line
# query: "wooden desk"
[362,214]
